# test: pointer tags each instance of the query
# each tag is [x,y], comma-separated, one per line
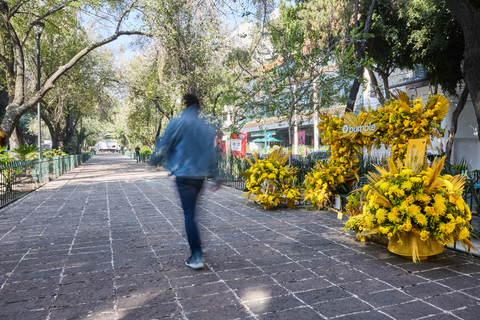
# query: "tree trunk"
[354,90]
[158,129]
[386,85]
[69,130]
[16,139]
[453,128]
[378,92]
[361,55]
[56,137]
[54,129]
[469,19]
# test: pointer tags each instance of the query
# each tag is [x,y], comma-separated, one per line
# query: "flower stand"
[412,248]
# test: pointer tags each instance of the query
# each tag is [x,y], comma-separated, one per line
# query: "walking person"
[188,145]
[137,153]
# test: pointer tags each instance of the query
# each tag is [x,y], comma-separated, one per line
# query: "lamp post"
[265,127]
[38,28]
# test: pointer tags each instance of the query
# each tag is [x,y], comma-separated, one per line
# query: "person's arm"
[162,145]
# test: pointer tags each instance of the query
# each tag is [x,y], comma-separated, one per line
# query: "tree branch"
[157,105]
[49,13]
[123,16]
[16,6]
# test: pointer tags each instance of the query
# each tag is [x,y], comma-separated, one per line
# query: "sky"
[123,48]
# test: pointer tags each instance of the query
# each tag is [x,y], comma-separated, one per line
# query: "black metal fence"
[19,178]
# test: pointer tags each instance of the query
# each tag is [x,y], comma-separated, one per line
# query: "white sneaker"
[194,263]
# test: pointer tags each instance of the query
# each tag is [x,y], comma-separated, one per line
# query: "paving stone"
[296,313]
[294,276]
[324,294]
[411,310]
[370,315]
[341,307]
[208,301]
[150,312]
[428,289]
[200,290]
[452,301]
[403,280]
[234,311]
[386,298]
[111,234]
[305,285]
[460,282]
[261,292]
[146,299]
[273,304]
[249,283]
[471,312]
[437,274]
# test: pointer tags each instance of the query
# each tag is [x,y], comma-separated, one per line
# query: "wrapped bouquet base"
[412,248]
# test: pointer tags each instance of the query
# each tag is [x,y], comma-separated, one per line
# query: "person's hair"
[190,99]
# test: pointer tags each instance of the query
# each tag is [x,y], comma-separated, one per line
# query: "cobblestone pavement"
[106,241]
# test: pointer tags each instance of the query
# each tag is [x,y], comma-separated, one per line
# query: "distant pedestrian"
[137,153]
[188,145]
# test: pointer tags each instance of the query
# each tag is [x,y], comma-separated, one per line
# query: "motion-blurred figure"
[137,153]
[188,145]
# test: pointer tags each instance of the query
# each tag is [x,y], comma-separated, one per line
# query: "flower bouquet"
[416,207]
[271,182]
[322,181]
[403,119]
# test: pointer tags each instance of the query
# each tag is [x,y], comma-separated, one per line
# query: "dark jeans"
[137,155]
[189,190]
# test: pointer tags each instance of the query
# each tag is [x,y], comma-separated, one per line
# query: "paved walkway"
[105,241]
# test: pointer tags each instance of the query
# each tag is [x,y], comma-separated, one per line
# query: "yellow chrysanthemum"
[424,234]
[464,234]
[407,185]
[415,210]
[449,227]
[393,188]
[384,230]
[416,179]
[460,204]
[439,209]
[392,215]
[421,220]
[381,215]
[424,198]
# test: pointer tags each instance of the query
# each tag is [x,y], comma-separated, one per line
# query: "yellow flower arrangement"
[271,182]
[432,206]
[402,119]
[393,125]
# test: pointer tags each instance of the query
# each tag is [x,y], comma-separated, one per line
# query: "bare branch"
[123,16]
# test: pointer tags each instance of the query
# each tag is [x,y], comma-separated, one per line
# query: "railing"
[131,154]
[19,178]
[230,173]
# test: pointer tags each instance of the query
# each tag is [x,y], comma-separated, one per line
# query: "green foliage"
[5,157]
[145,150]
[26,152]
[53,153]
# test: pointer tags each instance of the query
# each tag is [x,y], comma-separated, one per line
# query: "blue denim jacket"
[188,145]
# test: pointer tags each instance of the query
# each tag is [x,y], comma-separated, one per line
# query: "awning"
[272,139]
